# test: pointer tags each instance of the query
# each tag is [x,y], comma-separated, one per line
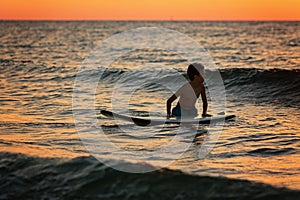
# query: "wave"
[26,177]
[276,86]
[271,151]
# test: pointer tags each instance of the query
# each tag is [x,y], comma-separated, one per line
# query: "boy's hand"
[206,115]
[169,116]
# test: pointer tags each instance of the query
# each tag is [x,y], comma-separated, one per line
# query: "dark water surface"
[260,66]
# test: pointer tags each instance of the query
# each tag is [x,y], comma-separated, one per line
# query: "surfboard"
[145,121]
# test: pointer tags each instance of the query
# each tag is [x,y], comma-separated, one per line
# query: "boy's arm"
[204,101]
[169,103]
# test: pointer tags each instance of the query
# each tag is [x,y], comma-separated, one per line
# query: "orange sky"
[151,9]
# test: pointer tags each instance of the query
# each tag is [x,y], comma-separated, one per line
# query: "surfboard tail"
[106,113]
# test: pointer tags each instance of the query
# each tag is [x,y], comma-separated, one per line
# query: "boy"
[188,94]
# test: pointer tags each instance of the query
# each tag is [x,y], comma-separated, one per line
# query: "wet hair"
[192,71]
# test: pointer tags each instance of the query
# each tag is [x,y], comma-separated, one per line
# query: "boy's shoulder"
[186,87]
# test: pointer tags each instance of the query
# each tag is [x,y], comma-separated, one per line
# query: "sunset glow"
[150,10]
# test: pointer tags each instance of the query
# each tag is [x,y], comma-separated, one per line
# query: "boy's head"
[195,69]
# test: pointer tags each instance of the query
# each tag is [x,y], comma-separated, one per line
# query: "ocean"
[43,145]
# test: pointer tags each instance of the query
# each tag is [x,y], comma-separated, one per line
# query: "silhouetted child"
[189,93]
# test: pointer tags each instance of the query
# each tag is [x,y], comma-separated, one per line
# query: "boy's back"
[189,93]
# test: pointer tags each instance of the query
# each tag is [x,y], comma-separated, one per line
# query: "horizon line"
[164,20]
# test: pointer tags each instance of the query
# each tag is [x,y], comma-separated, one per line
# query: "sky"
[150,10]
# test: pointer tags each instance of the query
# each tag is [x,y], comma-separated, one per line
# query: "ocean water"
[43,157]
